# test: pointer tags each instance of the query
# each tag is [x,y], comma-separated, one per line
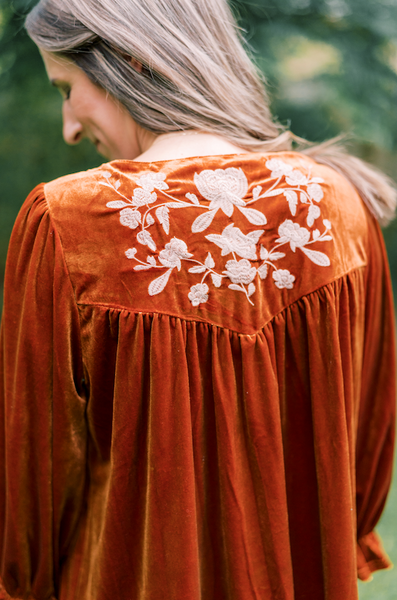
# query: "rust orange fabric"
[197,384]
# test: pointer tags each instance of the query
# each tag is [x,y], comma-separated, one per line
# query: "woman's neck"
[187,144]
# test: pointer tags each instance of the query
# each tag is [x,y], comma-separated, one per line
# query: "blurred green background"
[331,67]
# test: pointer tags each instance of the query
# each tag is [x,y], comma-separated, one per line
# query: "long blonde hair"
[196,75]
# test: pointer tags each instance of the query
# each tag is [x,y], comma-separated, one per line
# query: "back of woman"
[198,361]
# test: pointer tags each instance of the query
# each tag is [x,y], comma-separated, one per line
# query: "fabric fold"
[371,556]
[197,407]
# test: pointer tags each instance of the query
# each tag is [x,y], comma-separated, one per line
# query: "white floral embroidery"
[130,218]
[225,189]
[198,294]
[278,167]
[294,234]
[283,279]
[233,239]
[151,181]
[297,180]
[143,197]
[240,271]
[173,253]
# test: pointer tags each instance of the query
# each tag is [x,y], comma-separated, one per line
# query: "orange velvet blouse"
[197,384]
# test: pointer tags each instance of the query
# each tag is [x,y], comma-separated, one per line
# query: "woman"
[197,344]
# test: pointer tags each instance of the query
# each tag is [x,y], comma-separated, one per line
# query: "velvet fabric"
[165,436]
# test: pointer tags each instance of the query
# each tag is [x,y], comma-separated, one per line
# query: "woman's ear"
[135,64]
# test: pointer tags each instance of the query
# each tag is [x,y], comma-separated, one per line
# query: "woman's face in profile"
[90,112]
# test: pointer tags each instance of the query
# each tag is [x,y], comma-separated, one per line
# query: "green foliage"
[331,65]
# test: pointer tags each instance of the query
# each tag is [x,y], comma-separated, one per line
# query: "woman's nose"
[72,128]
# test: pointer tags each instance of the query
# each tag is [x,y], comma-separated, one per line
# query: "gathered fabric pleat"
[235,459]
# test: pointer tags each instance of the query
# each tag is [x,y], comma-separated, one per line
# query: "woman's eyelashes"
[65,92]
[63,88]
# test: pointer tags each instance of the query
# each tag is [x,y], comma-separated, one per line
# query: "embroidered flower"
[293,233]
[151,181]
[233,239]
[198,294]
[225,188]
[240,271]
[283,279]
[278,167]
[296,178]
[130,218]
[142,197]
[174,251]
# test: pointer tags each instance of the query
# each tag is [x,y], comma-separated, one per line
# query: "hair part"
[196,75]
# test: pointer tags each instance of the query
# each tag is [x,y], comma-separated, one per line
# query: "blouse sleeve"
[42,407]
[376,419]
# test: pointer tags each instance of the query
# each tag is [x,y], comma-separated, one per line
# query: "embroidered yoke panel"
[227,240]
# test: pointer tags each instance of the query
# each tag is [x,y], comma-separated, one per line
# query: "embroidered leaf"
[163,215]
[314,213]
[106,174]
[317,180]
[251,289]
[327,238]
[146,239]
[254,216]
[149,219]
[180,204]
[276,255]
[304,198]
[319,258]
[264,254]
[198,269]
[327,224]
[117,184]
[159,284]
[130,253]
[142,268]
[236,287]
[209,261]
[117,204]
[255,235]
[315,192]
[271,193]
[216,279]
[151,260]
[203,221]
[292,198]
[263,271]
[193,198]
[256,192]
[316,234]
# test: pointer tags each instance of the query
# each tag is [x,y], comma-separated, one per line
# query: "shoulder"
[274,227]
[71,188]
[317,196]
[318,183]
